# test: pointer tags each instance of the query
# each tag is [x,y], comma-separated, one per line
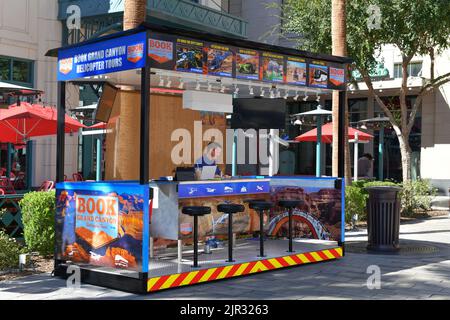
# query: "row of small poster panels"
[169,52]
[194,56]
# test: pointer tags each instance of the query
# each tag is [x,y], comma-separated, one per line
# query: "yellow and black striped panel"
[205,275]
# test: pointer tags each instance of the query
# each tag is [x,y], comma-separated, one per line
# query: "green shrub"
[355,203]
[38,214]
[380,183]
[416,195]
[356,197]
[360,183]
[9,252]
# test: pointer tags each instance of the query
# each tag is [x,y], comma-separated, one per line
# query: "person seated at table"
[212,153]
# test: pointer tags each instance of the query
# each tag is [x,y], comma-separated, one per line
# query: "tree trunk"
[347,158]
[134,13]
[405,152]
[127,144]
[339,47]
[335,142]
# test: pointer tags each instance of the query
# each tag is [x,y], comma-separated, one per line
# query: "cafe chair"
[77,177]
[230,209]
[7,186]
[289,205]
[19,182]
[196,211]
[47,185]
[260,206]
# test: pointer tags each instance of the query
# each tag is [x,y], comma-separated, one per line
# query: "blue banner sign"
[120,54]
[228,188]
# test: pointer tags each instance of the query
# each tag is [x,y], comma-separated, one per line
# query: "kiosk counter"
[168,222]
[126,229]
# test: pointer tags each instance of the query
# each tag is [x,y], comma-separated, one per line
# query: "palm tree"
[128,140]
[339,47]
[134,13]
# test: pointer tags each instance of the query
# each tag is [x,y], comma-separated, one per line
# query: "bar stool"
[289,204]
[260,206]
[230,209]
[196,211]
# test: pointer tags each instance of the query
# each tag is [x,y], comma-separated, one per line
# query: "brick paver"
[419,276]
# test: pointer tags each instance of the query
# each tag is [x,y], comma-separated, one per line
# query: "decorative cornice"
[200,16]
[186,12]
[90,8]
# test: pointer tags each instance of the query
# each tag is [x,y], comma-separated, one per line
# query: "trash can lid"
[383,188]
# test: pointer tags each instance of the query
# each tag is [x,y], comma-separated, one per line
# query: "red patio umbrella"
[327,134]
[103,125]
[99,125]
[18,123]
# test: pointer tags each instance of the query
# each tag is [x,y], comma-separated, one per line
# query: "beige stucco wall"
[28,28]
[435,153]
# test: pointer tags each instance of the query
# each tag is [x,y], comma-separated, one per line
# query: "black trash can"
[383,218]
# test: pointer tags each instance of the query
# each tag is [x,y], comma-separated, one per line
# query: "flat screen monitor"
[258,113]
[106,102]
[185,174]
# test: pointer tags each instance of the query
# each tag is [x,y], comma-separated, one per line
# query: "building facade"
[430,137]
[28,28]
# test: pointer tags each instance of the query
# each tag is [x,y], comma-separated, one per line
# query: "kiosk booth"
[138,230]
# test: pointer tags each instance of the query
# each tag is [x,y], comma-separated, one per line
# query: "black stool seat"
[289,203]
[260,205]
[230,208]
[196,210]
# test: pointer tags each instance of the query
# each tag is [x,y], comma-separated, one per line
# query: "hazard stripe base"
[205,275]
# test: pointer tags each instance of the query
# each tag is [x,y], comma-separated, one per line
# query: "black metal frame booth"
[104,227]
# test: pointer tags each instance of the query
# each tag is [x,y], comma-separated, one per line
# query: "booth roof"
[210,38]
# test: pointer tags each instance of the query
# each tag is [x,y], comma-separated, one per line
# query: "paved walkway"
[408,276]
